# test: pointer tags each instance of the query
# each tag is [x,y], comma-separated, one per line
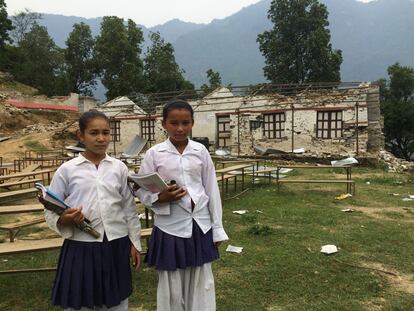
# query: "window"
[223,131]
[148,129]
[274,125]
[115,127]
[255,124]
[329,124]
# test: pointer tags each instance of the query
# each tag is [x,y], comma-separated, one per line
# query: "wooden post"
[293,127]
[356,127]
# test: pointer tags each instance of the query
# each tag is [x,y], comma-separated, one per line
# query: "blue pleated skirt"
[93,274]
[168,252]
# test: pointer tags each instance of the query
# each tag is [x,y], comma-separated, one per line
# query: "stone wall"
[361,121]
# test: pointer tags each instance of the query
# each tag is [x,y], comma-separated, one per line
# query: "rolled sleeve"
[66,231]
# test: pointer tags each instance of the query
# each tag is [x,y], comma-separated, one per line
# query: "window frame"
[115,128]
[147,127]
[329,124]
[274,125]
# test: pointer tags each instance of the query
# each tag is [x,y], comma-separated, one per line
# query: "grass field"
[281,267]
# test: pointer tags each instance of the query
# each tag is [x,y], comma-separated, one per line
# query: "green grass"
[281,267]
[34,145]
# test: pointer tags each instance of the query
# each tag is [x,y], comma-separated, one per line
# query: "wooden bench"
[20,183]
[226,179]
[350,183]
[15,193]
[15,228]
[17,209]
[26,246]
[45,175]
[227,171]
[257,173]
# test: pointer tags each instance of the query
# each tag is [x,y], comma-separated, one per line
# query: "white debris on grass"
[234,249]
[241,212]
[329,249]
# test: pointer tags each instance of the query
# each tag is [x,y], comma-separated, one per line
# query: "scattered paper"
[259,211]
[240,212]
[368,183]
[344,162]
[347,210]
[329,249]
[395,194]
[234,249]
[411,196]
[343,196]
[407,199]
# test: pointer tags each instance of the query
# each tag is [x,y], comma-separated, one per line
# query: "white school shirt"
[104,196]
[193,170]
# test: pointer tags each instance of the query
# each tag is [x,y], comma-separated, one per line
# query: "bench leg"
[12,234]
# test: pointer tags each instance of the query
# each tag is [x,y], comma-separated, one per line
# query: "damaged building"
[129,123]
[323,119]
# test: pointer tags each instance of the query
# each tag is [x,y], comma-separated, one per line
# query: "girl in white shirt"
[188,216]
[94,273]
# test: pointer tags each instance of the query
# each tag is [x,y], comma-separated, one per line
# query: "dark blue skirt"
[168,252]
[93,274]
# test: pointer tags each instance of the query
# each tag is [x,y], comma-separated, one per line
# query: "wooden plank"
[29,169]
[17,175]
[329,181]
[16,209]
[233,168]
[21,224]
[30,246]
[21,182]
[10,194]
[42,245]
[225,177]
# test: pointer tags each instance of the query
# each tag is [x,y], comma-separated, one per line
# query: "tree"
[298,48]
[214,80]
[397,106]
[80,65]
[162,73]
[22,23]
[41,62]
[5,25]
[118,57]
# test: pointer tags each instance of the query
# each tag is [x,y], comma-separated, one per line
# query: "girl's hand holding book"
[71,216]
[172,193]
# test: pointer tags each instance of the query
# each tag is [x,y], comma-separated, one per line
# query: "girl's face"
[178,124]
[96,137]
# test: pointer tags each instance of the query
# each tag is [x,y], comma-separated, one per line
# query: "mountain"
[59,27]
[371,35]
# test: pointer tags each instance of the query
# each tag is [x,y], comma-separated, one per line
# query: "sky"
[145,12]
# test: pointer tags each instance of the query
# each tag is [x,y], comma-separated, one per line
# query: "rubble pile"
[395,164]
[40,128]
